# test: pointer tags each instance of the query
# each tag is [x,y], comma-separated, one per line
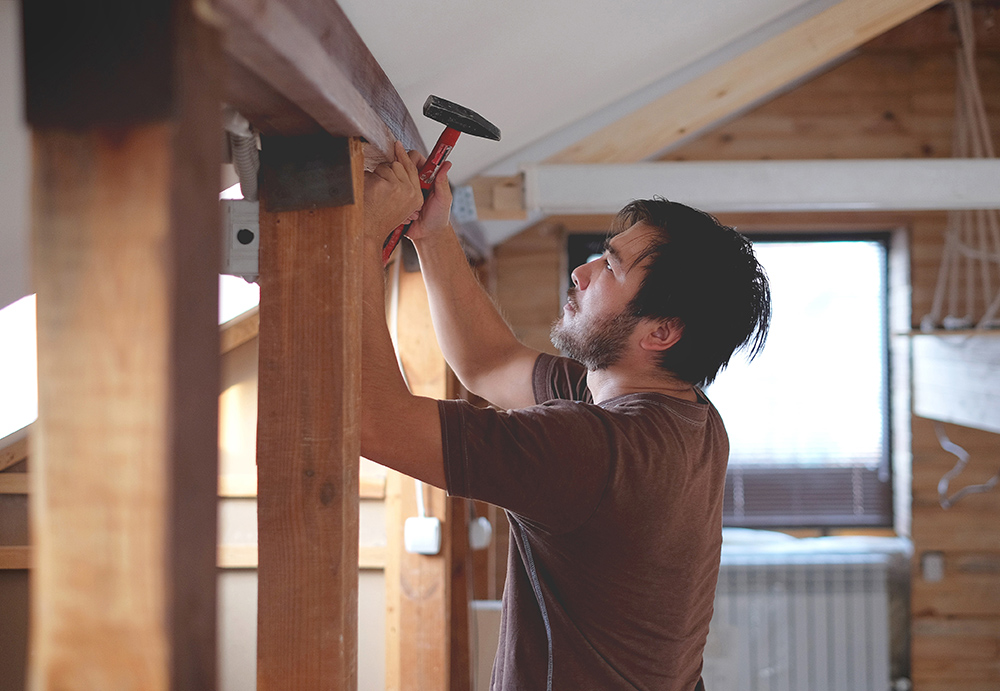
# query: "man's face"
[595,327]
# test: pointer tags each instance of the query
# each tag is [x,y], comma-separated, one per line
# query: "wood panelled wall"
[894,98]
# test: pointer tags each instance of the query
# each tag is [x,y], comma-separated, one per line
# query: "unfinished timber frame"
[124,219]
[125,234]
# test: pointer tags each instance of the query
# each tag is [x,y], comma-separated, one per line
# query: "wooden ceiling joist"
[301,68]
[741,82]
[723,186]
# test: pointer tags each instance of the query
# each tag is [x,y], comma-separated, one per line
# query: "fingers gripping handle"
[428,172]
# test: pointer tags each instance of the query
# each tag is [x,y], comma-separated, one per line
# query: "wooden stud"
[16,452]
[426,597]
[308,442]
[125,238]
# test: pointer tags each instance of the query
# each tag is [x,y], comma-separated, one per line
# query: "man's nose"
[581,276]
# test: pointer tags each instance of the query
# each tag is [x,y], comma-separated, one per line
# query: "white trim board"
[745,186]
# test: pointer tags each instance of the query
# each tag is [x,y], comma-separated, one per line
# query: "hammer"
[456,119]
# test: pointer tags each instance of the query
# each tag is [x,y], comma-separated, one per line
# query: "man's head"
[697,277]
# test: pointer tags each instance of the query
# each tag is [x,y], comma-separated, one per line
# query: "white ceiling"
[548,73]
[545,71]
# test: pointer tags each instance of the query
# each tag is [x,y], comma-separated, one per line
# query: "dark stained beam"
[302,68]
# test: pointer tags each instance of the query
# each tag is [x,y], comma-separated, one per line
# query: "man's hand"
[435,215]
[392,196]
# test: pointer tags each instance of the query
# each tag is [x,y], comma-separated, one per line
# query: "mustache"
[571,297]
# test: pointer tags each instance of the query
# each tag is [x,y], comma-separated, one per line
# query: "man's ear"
[662,335]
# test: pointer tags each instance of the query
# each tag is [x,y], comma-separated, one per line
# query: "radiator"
[802,621]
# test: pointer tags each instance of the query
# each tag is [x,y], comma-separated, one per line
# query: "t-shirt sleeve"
[549,463]
[559,377]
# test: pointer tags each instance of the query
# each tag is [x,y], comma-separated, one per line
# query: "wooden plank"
[956,653]
[309,54]
[240,330]
[125,235]
[308,443]
[228,557]
[741,82]
[16,452]
[241,485]
[15,557]
[14,483]
[245,557]
[754,186]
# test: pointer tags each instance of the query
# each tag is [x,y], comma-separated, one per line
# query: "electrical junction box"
[422,535]
[241,238]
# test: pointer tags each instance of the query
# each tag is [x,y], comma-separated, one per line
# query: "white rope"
[968,282]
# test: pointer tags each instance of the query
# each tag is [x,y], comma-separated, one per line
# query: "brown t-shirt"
[616,530]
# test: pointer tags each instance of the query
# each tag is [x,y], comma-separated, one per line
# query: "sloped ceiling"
[538,67]
[556,76]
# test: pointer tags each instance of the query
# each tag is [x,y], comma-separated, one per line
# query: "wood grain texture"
[125,243]
[308,444]
[239,330]
[125,444]
[308,55]
[739,83]
[15,452]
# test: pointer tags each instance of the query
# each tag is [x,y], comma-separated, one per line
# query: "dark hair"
[706,275]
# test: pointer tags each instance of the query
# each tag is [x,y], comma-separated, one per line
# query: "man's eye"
[607,265]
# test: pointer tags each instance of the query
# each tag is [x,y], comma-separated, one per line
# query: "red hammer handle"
[428,172]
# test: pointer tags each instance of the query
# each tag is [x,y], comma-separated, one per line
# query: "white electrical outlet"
[422,535]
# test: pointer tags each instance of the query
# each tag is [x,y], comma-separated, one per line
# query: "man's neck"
[610,383]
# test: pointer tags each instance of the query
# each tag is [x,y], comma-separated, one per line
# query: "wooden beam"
[741,82]
[758,186]
[370,558]
[14,483]
[15,557]
[123,101]
[308,442]
[305,57]
[239,330]
[17,451]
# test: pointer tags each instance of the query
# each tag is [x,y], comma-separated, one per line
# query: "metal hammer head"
[460,118]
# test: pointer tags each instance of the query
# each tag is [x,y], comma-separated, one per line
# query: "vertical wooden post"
[123,100]
[308,433]
[427,646]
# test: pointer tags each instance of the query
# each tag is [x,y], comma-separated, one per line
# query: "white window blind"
[808,418]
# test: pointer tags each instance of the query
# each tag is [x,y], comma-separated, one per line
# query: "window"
[808,420]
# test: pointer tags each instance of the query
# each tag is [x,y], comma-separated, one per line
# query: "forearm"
[398,429]
[472,334]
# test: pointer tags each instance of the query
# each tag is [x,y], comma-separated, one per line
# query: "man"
[611,465]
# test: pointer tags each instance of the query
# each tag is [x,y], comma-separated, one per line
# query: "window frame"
[578,247]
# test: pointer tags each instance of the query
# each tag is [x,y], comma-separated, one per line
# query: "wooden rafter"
[301,68]
[16,451]
[741,82]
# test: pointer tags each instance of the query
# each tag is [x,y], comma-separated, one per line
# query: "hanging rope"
[963,458]
[969,276]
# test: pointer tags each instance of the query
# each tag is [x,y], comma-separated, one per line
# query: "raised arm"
[476,341]
[398,429]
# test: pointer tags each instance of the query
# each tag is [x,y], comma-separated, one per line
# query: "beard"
[597,345]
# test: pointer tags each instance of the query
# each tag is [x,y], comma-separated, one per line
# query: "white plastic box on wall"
[240,238]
